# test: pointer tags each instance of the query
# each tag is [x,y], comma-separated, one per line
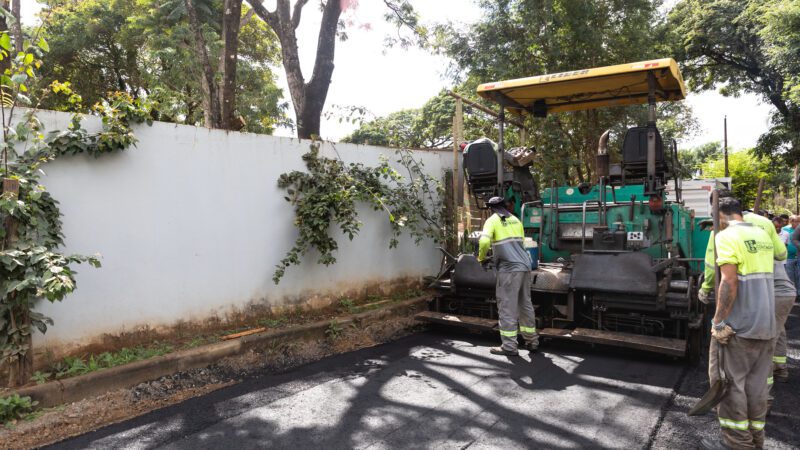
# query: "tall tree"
[211,100]
[231,23]
[746,46]
[308,97]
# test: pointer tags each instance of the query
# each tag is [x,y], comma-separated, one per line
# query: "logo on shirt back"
[754,246]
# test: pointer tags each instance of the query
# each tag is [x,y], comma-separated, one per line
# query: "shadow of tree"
[420,392]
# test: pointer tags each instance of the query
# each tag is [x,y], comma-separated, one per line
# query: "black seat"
[634,153]
[480,164]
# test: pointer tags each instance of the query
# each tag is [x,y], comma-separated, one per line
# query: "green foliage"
[30,266]
[348,304]
[407,294]
[41,377]
[518,38]
[273,322]
[144,48]
[15,407]
[73,366]
[746,168]
[746,46]
[334,330]
[426,127]
[331,190]
[691,160]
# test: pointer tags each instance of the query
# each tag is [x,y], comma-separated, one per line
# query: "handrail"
[583,222]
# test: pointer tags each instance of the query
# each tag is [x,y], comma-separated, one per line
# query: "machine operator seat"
[634,153]
[480,165]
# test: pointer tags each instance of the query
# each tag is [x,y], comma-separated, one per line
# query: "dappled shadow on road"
[424,391]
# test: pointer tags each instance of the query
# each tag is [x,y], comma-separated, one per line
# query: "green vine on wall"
[31,267]
[328,194]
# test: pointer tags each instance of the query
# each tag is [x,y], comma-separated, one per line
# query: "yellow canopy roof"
[623,84]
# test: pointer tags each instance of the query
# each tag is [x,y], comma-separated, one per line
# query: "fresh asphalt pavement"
[443,390]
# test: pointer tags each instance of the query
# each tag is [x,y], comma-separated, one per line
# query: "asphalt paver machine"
[619,261]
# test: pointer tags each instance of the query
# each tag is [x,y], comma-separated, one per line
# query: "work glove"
[722,334]
[702,295]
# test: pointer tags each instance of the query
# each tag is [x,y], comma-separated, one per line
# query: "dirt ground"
[77,418]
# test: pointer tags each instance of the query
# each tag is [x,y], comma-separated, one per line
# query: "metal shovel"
[718,390]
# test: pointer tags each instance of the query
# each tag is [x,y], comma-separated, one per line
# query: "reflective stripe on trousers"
[741,424]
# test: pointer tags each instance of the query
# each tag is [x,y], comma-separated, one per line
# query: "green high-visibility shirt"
[506,238]
[782,284]
[749,248]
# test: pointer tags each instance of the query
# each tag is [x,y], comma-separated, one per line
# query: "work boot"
[532,346]
[502,351]
[781,374]
[713,444]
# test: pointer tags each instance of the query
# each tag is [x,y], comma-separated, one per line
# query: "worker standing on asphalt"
[784,288]
[504,233]
[744,327]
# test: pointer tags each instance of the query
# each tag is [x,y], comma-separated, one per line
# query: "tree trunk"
[308,98]
[231,21]
[16,27]
[211,106]
[20,369]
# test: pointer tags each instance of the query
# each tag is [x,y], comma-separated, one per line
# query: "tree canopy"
[516,38]
[745,46]
[145,48]
[746,169]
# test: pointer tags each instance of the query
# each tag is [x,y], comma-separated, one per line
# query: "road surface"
[444,390]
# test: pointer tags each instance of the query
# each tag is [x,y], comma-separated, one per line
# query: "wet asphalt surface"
[443,389]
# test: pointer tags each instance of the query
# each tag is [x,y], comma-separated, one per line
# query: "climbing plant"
[328,194]
[31,266]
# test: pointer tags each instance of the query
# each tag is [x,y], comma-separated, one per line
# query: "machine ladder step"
[655,344]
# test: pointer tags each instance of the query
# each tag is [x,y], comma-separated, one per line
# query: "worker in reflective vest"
[743,328]
[504,233]
[784,290]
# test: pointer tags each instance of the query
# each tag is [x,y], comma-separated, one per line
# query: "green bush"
[15,407]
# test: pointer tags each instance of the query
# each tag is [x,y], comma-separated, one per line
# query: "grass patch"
[273,322]
[406,295]
[73,366]
[198,341]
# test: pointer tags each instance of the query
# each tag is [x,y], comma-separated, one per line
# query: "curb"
[93,384]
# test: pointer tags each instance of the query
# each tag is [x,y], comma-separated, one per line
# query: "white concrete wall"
[191,223]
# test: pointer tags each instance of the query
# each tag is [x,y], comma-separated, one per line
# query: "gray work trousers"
[743,411]
[783,306]
[515,309]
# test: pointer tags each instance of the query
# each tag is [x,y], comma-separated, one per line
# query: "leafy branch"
[31,267]
[329,192]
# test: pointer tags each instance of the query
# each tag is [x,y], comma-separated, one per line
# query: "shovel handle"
[721,361]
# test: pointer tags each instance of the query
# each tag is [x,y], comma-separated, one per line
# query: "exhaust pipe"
[603,156]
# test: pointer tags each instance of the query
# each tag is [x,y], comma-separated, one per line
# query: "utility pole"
[725,149]
[796,193]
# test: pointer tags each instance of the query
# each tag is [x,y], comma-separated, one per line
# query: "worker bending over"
[512,262]
[743,327]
